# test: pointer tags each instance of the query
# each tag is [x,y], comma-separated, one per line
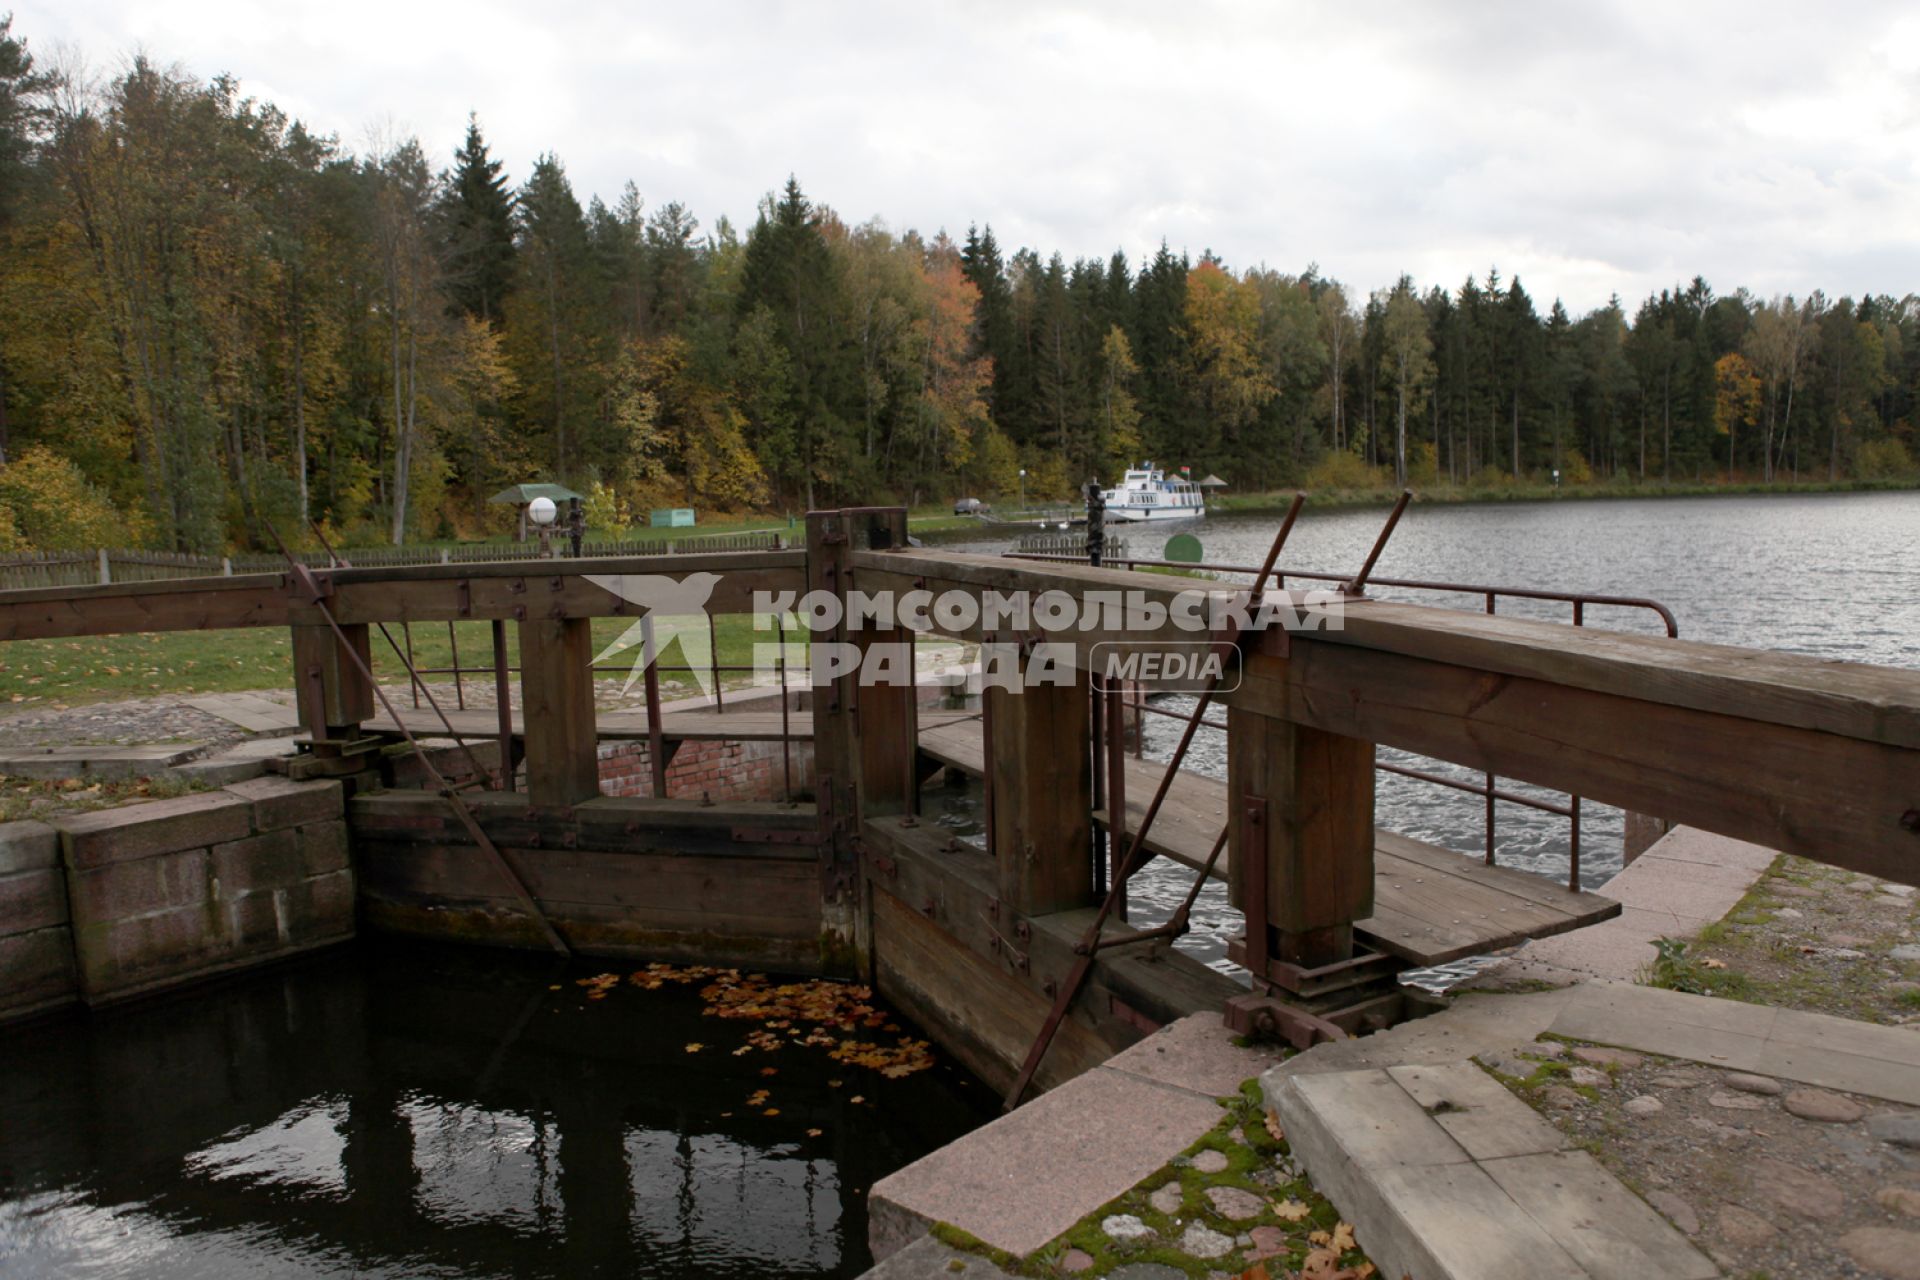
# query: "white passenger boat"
[1147,494]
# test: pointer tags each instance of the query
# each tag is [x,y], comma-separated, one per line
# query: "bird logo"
[676,613]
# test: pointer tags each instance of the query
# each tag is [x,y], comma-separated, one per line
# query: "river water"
[1829,575]
[406,1111]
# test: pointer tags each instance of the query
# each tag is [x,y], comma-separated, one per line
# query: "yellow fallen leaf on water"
[771,1111]
[695,1047]
[856,1098]
[813,1133]
[1290,1210]
[769,1071]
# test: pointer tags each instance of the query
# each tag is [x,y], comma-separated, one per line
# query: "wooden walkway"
[675,726]
[1430,905]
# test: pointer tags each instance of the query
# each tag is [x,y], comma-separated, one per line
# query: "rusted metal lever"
[514,879]
[412,672]
[1176,925]
[1137,854]
[1357,585]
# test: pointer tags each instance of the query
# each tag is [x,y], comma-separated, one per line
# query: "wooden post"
[1316,789]
[864,734]
[1039,756]
[556,707]
[332,694]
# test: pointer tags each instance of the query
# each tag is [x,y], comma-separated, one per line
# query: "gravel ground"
[1770,1177]
[136,720]
[1814,937]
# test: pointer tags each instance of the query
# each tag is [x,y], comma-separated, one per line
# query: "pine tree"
[476,212]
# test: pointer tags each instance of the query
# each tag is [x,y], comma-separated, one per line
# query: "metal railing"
[1488,788]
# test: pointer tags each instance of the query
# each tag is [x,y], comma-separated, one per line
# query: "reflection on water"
[1827,575]
[405,1111]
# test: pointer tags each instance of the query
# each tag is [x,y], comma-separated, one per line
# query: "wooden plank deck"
[677,726]
[1430,905]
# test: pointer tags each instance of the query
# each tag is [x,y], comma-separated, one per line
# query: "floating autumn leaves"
[812,1014]
[598,985]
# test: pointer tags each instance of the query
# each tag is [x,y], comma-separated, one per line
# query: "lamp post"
[1023,489]
[542,512]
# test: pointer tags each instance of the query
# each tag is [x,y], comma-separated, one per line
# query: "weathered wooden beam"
[556,697]
[1876,704]
[1040,758]
[1300,822]
[1836,798]
[986,974]
[332,694]
[208,604]
[510,590]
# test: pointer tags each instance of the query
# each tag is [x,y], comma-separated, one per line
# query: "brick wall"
[166,892]
[723,771]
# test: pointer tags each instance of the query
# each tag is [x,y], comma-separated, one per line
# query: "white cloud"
[1608,147]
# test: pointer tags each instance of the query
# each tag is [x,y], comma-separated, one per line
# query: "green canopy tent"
[521,494]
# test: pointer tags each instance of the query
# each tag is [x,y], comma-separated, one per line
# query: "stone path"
[1768,1176]
[1029,1176]
[1686,881]
[1446,1174]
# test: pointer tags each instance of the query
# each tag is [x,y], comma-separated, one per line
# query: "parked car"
[970,507]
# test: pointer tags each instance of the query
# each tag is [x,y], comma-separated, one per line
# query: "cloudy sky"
[1593,148]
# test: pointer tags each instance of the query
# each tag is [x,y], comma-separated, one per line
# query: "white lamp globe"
[542,510]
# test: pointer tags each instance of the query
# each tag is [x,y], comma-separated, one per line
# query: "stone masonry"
[100,906]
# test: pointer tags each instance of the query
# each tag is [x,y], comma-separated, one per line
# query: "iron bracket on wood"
[1013,955]
[1263,1017]
[779,835]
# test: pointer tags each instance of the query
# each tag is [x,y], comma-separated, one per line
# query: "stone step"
[1020,1181]
[105,761]
[1447,1176]
[928,1259]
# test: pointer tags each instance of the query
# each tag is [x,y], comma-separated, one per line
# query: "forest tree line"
[214,317]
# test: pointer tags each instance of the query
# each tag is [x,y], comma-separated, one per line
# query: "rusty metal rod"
[515,881]
[1579,600]
[1357,586]
[786,728]
[406,658]
[1176,924]
[503,702]
[656,731]
[1134,859]
[453,645]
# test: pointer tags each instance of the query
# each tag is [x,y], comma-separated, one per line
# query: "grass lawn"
[37,674]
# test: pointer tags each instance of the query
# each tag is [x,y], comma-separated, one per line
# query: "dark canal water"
[1829,575]
[406,1111]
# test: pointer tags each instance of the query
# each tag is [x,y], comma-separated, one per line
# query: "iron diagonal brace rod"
[317,598]
[413,672]
[1137,853]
